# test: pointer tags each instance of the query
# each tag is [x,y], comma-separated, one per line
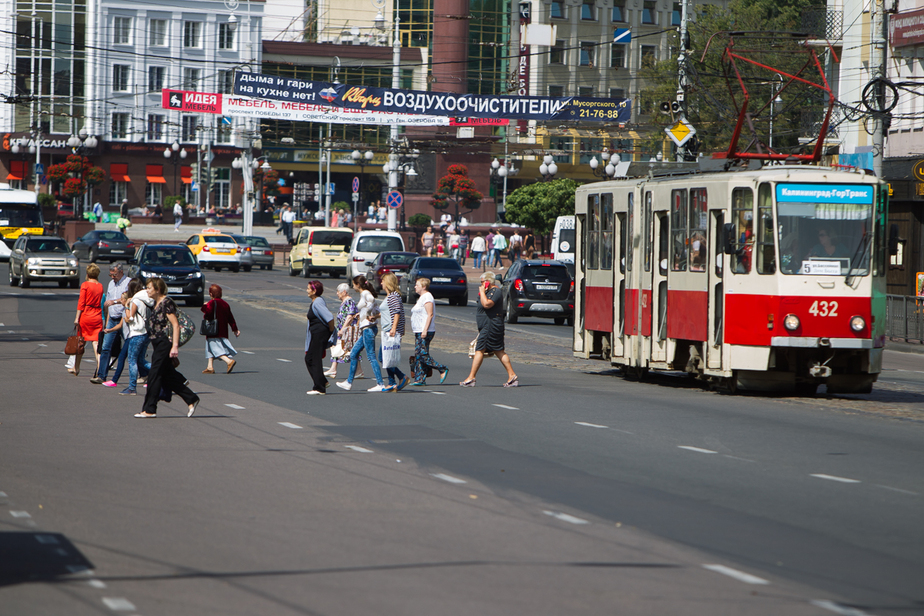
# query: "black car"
[534,288]
[108,245]
[176,265]
[395,262]
[447,280]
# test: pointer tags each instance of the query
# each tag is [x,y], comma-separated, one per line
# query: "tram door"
[714,345]
[657,244]
[644,278]
[580,254]
[621,233]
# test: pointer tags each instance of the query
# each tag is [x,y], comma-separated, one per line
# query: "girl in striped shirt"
[393,322]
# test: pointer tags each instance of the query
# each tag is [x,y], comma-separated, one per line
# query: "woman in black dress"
[490,318]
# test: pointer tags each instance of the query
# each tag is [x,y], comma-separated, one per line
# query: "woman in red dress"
[89,314]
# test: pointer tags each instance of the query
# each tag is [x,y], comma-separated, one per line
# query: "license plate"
[174,289]
[221,252]
[398,274]
[545,308]
[54,272]
[442,280]
[546,287]
[117,252]
[332,252]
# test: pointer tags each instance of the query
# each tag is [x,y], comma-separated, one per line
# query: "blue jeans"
[477,257]
[394,374]
[108,339]
[134,350]
[366,341]
[490,258]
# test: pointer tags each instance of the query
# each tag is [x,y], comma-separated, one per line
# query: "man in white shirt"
[117,286]
[177,216]
[288,221]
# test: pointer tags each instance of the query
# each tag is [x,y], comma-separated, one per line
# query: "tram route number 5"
[823,309]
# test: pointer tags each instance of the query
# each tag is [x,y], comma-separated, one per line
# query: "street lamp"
[362,159]
[608,170]
[402,166]
[78,144]
[548,168]
[776,99]
[499,174]
[174,154]
[247,166]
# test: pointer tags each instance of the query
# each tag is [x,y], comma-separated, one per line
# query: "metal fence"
[905,318]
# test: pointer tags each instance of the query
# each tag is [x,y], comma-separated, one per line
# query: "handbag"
[75,342]
[209,327]
[471,349]
[187,327]
[337,351]
[391,350]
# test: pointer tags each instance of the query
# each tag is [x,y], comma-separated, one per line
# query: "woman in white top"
[424,327]
[134,331]
[367,317]
[478,247]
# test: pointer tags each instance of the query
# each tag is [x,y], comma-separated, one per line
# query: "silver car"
[43,258]
[261,254]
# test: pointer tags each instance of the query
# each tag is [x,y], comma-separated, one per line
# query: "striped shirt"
[395,307]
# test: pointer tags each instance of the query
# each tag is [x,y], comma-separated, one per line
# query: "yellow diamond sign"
[680,132]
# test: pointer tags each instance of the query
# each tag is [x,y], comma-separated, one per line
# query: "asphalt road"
[578,492]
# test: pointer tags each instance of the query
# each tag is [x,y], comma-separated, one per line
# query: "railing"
[905,318]
[823,24]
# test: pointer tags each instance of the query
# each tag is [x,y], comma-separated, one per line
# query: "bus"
[20,214]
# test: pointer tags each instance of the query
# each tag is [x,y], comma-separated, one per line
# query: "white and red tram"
[768,279]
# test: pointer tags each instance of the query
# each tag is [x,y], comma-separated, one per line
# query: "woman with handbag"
[317,336]
[89,315]
[215,325]
[392,309]
[347,329]
[163,328]
[490,318]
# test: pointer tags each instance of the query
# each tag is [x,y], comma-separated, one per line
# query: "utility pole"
[393,134]
[682,81]
[877,62]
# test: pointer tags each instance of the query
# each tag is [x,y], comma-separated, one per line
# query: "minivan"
[367,245]
[320,250]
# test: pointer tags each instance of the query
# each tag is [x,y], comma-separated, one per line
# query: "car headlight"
[148,274]
[196,275]
[791,322]
[857,323]
[72,262]
[33,261]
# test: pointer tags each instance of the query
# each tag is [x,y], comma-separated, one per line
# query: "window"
[698,221]
[630,209]
[188,129]
[649,54]
[743,217]
[676,14]
[225,82]
[617,93]
[593,232]
[191,78]
[557,10]
[222,187]
[679,230]
[192,34]
[156,76]
[157,33]
[155,127]
[557,52]
[606,232]
[122,31]
[588,10]
[120,77]
[117,192]
[153,194]
[650,13]
[121,123]
[618,56]
[223,132]
[646,232]
[562,144]
[556,91]
[619,11]
[226,36]
[587,53]
[766,253]
[585,91]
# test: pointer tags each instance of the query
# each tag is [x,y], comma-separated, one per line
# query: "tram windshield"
[825,229]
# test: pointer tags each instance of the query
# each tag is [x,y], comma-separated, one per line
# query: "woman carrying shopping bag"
[392,329]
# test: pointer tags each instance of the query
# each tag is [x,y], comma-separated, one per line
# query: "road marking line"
[47,293]
[504,406]
[741,576]
[290,425]
[696,449]
[248,352]
[896,489]
[359,449]
[96,584]
[838,609]
[589,425]
[725,455]
[119,604]
[448,478]
[2,494]
[834,478]
[44,345]
[288,361]
[234,406]
[20,514]
[564,517]
[438,393]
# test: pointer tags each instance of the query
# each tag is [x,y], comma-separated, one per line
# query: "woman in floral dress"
[347,328]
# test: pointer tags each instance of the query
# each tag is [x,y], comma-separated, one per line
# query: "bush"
[420,220]
[171,200]
[46,200]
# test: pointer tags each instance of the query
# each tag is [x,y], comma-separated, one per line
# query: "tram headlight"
[791,322]
[857,324]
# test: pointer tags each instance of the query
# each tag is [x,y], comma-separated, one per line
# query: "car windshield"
[112,235]
[555,273]
[218,239]
[47,245]
[257,241]
[332,238]
[13,215]
[440,264]
[379,243]
[401,258]
[168,257]
[824,229]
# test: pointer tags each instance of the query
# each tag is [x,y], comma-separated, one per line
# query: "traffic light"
[194,174]
[213,175]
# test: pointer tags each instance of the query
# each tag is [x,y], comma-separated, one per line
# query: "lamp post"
[499,174]
[79,143]
[174,154]
[361,158]
[776,99]
[548,168]
[395,84]
[608,170]
[403,166]
[247,165]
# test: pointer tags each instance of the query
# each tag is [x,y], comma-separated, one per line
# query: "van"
[563,241]
[367,245]
[320,250]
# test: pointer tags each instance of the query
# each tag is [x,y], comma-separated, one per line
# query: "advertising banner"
[906,28]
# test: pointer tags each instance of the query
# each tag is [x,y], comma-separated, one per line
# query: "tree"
[456,189]
[537,205]
[419,220]
[76,175]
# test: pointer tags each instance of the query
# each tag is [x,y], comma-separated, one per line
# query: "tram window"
[621,219]
[606,232]
[679,230]
[631,232]
[719,252]
[766,255]
[646,230]
[880,245]
[593,231]
[664,243]
[743,216]
[698,219]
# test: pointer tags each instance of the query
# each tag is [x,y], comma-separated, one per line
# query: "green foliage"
[341,206]
[419,220]
[173,199]
[46,200]
[538,205]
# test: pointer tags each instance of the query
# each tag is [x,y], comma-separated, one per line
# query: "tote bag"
[391,350]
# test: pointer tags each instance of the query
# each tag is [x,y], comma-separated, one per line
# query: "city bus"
[20,214]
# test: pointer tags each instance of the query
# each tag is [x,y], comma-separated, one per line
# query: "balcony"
[823,24]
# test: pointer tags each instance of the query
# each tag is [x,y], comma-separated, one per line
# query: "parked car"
[447,280]
[259,249]
[43,258]
[108,245]
[176,265]
[535,288]
[245,251]
[366,245]
[216,250]
[320,250]
[395,262]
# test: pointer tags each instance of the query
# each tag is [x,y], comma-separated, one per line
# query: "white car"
[367,245]
[4,251]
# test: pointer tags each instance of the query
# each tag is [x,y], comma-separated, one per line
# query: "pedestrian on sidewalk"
[219,345]
[463,247]
[177,216]
[368,318]
[489,316]
[320,327]
[423,325]
[500,244]
[489,248]
[478,248]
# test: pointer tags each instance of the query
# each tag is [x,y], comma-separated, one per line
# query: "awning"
[155,174]
[19,169]
[186,174]
[118,172]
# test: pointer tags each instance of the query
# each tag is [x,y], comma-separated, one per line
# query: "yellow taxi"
[216,250]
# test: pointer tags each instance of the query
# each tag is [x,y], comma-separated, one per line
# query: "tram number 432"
[823,309]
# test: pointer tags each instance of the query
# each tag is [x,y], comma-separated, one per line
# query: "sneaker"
[375,389]
[419,384]
[142,380]
[345,385]
[128,391]
[110,384]
[314,392]
[192,408]
[402,384]
[388,389]
[144,415]
[443,376]
[96,380]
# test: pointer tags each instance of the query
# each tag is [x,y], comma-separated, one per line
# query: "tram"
[769,278]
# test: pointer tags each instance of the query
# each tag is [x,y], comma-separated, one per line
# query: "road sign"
[355,184]
[622,35]
[394,199]
[40,168]
[355,197]
[681,132]
[331,189]
[194,186]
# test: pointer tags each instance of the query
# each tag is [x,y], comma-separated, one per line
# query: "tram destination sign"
[447,104]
